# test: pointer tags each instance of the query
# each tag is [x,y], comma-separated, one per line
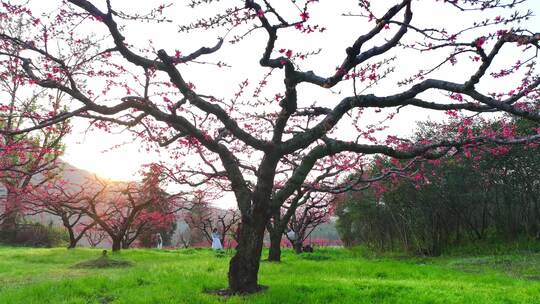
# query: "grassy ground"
[328,276]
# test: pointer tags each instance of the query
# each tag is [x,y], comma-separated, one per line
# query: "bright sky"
[86,150]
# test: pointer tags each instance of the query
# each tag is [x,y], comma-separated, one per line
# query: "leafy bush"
[35,235]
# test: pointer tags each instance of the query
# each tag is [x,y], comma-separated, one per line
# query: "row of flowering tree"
[275,136]
[124,211]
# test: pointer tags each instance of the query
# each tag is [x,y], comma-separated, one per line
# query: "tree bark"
[8,227]
[72,240]
[274,253]
[244,266]
[116,245]
[297,245]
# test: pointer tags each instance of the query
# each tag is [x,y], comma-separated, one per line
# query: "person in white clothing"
[291,235]
[159,241]
[216,242]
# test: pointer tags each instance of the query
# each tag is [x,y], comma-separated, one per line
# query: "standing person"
[295,241]
[159,241]
[216,243]
[291,235]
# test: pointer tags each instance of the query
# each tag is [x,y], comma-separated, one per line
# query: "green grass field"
[328,276]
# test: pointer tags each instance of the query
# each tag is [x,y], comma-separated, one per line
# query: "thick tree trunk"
[297,245]
[116,245]
[9,224]
[274,253]
[244,266]
[8,230]
[72,240]
[8,227]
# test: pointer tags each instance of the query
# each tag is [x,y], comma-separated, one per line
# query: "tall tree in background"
[247,144]
[278,223]
[310,215]
[159,217]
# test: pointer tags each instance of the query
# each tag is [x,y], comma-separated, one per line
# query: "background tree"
[206,218]
[95,236]
[244,143]
[57,198]
[26,160]
[121,210]
[479,195]
[277,225]
[280,219]
[159,217]
[309,206]
[308,217]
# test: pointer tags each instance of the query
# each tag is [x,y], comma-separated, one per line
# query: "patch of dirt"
[103,262]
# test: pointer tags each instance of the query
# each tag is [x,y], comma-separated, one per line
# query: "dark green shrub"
[35,235]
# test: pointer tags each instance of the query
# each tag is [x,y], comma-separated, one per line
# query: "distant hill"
[74,174]
[69,173]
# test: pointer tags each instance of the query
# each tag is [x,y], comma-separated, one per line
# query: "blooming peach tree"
[290,116]
[26,160]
